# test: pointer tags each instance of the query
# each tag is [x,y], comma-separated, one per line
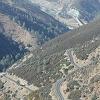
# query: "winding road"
[57,89]
[59,82]
[71,59]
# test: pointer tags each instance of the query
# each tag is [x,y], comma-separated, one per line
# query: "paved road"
[60,81]
[57,89]
[71,59]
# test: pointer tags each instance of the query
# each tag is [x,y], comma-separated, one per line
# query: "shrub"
[73,83]
[74,95]
[94,79]
[1,84]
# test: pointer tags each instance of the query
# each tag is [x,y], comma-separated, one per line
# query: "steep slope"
[14,42]
[33,20]
[77,12]
[44,68]
[12,30]
[10,51]
[26,25]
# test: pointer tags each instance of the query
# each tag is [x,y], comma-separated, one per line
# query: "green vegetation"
[7,97]
[1,84]
[74,95]
[40,24]
[34,94]
[70,67]
[65,61]
[65,70]
[83,51]
[95,60]
[94,97]
[72,84]
[45,63]
[94,79]
[10,51]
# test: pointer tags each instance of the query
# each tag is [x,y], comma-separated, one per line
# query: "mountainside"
[49,49]
[44,68]
[26,25]
[33,20]
[77,12]
[12,30]
[10,51]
